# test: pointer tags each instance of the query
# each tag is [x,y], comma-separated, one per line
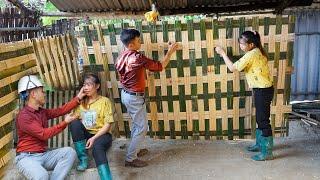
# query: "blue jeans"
[137,110]
[35,166]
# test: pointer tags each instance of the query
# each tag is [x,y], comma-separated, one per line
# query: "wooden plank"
[201,76]
[150,84]
[16,77]
[6,158]
[28,42]
[187,53]
[7,118]
[49,105]
[53,71]
[14,70]
[68,60]
[224,107]
[74,63]
[174,88]
[100,60]
[70,142]
[61,100]
[8,98]
[64,133]
[55,121]
[16,61]
[6,139]
[84,50]
[63,62]
[42,60]
[12,46]
[162,89]
[54,52]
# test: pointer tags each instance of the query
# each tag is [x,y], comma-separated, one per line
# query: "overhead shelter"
[170,7]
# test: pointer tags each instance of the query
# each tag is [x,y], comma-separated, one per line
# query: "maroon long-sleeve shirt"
[32,126]
[131,66]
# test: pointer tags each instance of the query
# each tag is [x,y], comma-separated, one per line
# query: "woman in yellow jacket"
[255,65]
[93,130]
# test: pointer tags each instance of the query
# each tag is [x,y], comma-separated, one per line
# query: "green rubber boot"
[104,172]
[256,147]
[266,144]
[80,147]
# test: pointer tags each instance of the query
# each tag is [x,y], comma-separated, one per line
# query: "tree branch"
[19,4]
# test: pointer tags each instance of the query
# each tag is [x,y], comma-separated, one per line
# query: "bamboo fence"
[16,60]
[196,96]
[17,25]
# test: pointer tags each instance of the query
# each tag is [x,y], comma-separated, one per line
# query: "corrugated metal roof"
[173,6]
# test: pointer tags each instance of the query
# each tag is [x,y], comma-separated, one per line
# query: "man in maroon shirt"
[33,159]
[131,65]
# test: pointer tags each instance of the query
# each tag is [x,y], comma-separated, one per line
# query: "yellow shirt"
[256,69]
[97,115]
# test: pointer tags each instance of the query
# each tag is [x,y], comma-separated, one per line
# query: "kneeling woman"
[94,128]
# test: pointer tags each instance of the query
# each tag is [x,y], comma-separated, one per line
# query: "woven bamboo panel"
[54,100]
[57,62]
[16,60]
[196,96]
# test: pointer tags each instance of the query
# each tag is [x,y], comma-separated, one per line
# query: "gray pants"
[136,108]
[36,166]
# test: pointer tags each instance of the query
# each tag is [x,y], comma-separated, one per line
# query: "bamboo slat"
[74,64]
[61,73]
[68,58]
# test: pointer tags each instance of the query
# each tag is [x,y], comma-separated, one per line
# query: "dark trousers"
[262,102]
[100,145]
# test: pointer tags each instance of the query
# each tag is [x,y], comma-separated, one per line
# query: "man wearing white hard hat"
[33,159]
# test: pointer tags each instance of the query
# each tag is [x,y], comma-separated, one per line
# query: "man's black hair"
[127,35]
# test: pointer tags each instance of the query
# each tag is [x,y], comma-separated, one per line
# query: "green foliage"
[49,7]
[4,4]
[34,4]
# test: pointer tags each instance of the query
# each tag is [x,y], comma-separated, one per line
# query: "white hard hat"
[28,82]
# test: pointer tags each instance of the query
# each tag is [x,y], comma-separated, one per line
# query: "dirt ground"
[296,157]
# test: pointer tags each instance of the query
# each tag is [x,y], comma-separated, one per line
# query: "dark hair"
[96,81]
[24,95]
[127,35]
[253,37]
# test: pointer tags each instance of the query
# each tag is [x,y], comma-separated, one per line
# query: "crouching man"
[32,158]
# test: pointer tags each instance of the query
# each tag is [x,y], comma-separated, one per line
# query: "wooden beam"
[108,15]
[19,29]
[282,6]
